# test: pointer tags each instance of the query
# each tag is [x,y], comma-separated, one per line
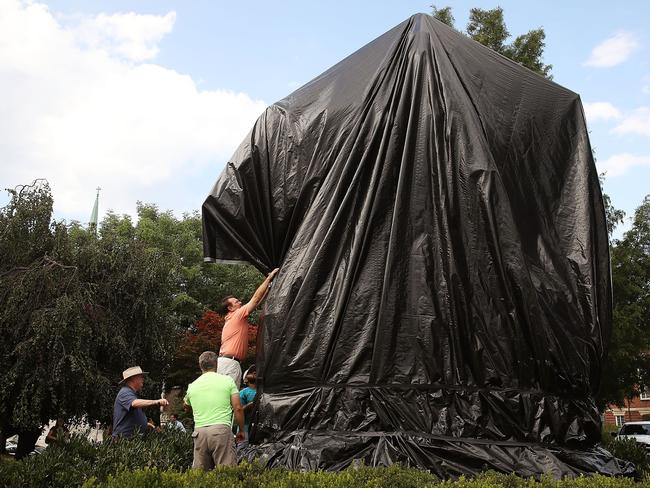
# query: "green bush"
[607,433]
[630,450]
[253,476]
[163,459]
[77,459]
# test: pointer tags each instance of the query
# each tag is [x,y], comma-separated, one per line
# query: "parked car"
[638,431]
[11,445]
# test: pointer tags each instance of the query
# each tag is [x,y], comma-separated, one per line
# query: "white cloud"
[638,122]
[613,51]
[618,164]
[131,35]
[601,111]
[79,109]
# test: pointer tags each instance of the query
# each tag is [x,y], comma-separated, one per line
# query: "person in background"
[176,424]
[213,398]
[234,336]
[151,425]
[128,416]
[247,397]
[57,433]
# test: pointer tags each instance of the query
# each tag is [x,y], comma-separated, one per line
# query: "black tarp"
[444,297]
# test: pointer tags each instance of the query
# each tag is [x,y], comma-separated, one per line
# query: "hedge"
[252,476]
[632,451]
[77,460]
[163,459]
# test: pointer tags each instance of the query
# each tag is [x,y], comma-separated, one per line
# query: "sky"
[149,99]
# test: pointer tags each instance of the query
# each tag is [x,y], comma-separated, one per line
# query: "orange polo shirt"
[234,336]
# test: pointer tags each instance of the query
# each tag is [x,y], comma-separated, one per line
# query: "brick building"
[636,409]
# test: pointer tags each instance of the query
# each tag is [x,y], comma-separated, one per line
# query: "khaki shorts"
[213,445]
[231,368]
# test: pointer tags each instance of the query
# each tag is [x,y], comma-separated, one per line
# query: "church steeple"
[94,215]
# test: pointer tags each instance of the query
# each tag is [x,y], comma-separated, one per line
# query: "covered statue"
[444,296]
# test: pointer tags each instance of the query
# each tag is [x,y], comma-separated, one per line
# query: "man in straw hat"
[128,416]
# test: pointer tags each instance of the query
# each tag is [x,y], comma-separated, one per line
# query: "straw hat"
[134,371]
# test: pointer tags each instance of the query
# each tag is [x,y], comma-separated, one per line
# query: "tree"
[205,336]
[444,15]
[489,28]
[199,285]
[75,310]
[627,368]
[613,215]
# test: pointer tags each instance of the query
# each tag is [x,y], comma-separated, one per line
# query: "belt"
[229,357]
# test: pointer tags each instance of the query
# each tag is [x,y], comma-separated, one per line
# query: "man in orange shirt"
[234,337]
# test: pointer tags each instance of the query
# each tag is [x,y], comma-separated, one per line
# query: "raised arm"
[261,292]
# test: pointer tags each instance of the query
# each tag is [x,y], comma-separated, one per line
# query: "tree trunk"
[26,442]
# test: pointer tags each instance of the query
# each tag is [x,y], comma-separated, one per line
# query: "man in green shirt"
[213,398]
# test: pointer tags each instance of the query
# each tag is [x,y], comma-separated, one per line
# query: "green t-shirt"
[209,396]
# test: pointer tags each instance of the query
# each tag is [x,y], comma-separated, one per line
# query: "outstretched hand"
[261,291]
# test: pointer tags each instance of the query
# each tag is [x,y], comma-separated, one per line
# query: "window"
[620,420]
[645,395]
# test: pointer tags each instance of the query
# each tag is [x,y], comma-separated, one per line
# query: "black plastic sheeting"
[444,293]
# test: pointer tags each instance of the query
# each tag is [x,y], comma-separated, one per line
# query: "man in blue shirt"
[128,416]
[176,424]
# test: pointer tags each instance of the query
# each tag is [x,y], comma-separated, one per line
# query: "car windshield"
[638,429]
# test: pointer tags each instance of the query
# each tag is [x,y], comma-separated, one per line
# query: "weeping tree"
[77,307]
[75,310]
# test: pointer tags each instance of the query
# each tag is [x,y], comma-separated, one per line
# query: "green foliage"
[527,50]
[164,459]
[253,476]
[444,15]
[75,310]
[630,450]
[489,28]
[206,336]
[627,369]
[607,433]
[198,285]
[613,215]
[26,232]
[76,460]
[77,307]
